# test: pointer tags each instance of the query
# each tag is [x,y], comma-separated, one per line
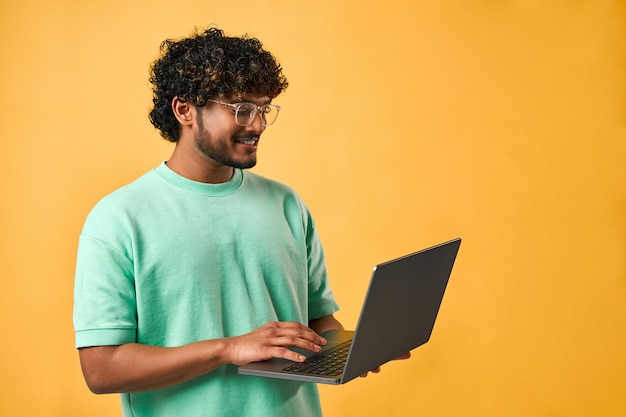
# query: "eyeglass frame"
[257,110]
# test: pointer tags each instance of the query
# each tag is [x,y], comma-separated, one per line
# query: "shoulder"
[271,186]
[261,181]
[271,189]
[133,192]
[127,201]
[266,192]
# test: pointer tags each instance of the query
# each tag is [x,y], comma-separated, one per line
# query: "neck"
[199,169]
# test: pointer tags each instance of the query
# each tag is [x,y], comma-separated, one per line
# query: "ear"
[183,111]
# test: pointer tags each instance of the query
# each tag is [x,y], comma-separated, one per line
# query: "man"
[199,265]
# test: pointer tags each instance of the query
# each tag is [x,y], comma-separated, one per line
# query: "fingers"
[295,335]
[281,336]
[377,370]
[374,371]
[275,340]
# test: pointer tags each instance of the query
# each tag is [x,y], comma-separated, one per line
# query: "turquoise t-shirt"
[167,261]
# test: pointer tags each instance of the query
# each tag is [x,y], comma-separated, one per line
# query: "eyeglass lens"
[247,111]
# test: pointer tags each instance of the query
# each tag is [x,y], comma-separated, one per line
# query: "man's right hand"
[274,340]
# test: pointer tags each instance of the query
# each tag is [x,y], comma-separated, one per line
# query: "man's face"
[221,139]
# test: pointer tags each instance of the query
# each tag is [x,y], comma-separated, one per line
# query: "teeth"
[249,142]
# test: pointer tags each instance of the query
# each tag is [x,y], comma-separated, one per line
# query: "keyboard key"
[328,363]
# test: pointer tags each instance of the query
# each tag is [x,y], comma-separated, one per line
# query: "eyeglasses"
[245,112]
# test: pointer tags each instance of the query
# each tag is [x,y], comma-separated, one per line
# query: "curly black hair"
[207,65]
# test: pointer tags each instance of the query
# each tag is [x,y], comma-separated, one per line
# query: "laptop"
[398,315]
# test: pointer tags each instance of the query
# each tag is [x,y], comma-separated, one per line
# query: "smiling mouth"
[250,141]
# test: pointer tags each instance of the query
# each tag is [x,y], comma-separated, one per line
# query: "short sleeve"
[321,299]
[104,295]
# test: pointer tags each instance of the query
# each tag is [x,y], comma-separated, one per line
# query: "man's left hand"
[377,370]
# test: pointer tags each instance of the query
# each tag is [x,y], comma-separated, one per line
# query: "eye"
[246,109]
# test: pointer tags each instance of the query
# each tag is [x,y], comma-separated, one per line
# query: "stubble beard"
[220,152]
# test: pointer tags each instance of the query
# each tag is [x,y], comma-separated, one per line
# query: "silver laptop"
[397,316]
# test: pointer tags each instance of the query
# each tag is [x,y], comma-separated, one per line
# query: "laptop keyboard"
[329,363]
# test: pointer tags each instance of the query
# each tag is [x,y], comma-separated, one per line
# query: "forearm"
[134,367]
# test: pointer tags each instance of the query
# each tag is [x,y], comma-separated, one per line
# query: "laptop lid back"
[400,308]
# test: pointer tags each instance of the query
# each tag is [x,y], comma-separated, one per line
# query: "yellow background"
[407,123]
